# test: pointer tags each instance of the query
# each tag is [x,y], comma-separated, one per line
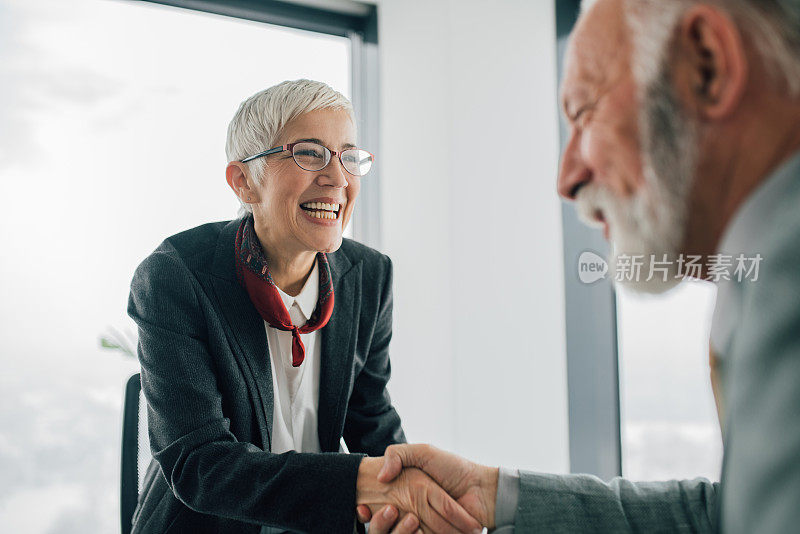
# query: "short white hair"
[261,118]
[772,25]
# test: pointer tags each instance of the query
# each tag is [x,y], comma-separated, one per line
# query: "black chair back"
[129,481]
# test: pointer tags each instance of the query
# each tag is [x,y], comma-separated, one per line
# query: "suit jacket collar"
[224,264]
[338,348]
[249,337]
[754,219]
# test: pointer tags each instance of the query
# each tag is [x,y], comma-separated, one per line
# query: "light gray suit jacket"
[756,336]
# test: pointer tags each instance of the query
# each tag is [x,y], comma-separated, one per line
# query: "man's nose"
[574,173]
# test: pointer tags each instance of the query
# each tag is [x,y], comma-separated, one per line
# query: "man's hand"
[474,486]
[411,492]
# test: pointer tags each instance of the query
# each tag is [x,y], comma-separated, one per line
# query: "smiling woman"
[264,341]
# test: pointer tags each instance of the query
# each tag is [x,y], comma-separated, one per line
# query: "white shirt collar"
[308,296]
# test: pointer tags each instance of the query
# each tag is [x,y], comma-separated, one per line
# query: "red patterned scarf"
[253,274]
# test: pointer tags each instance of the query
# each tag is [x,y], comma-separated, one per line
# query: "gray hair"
[261,118]
[772,25]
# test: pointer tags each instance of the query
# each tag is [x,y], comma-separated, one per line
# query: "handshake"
[419,488]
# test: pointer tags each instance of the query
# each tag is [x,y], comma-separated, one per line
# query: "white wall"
[469,148]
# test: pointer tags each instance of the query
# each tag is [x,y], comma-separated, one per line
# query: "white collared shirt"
[296,389]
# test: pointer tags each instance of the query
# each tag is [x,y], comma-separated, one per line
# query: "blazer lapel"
[246,326]
[338,347]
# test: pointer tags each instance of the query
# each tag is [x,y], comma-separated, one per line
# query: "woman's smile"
[325,211]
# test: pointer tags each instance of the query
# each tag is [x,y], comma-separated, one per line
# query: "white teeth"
[322,214]
[320,206]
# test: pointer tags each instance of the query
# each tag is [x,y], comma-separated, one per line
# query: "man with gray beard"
[685,141]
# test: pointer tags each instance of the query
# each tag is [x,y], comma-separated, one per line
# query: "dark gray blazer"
[207,379]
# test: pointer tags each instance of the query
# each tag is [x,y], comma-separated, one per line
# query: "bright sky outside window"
[669,421]
[114,117]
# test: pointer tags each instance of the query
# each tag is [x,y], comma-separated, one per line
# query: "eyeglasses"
[315,157]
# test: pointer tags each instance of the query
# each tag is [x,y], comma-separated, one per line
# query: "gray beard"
[657,221]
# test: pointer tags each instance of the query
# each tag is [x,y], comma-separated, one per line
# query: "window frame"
[359,23]
[593,382]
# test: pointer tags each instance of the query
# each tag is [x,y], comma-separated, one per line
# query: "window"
[114,118]
[669,422]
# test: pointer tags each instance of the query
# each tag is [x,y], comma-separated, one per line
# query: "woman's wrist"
[368,489]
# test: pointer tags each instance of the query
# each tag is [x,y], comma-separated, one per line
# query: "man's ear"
[714,62]
[237,175]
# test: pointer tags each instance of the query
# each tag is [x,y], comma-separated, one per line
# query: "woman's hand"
[414,492]
[385,519]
